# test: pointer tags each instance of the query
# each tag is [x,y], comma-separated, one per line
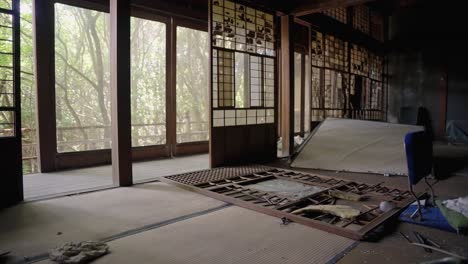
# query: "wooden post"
[287,85]
[120,92]
[44,54]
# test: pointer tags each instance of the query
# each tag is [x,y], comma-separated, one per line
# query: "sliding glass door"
[191,89]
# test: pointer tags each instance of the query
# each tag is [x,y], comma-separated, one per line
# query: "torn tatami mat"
[33,228]
[356,146]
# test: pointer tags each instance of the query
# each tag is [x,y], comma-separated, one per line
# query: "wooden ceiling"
[198,8]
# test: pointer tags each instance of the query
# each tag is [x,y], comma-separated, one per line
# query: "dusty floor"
[159,223]
[45,185]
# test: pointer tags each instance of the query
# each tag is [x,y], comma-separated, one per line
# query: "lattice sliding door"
[243,80]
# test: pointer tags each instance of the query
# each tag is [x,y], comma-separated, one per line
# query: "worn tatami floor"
[159,223]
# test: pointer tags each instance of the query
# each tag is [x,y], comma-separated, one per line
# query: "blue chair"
[418,147]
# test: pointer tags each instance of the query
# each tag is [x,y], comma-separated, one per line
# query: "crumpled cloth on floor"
[78,252]
[459,205]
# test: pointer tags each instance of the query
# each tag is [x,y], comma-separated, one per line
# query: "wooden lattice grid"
[239,27]
[361,18]
[198,177]
[317,48]
[336,53]
[359,60]
[339,13]
[234,186]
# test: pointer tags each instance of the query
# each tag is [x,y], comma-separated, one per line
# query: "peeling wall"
[428,41]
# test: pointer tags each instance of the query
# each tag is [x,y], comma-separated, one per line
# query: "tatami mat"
[33,228]
[231,235]
[356,146]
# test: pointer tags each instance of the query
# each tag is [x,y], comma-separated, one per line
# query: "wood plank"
[120,92]
[44,73]
[287,84]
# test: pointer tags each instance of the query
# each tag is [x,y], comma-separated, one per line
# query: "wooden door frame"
[304,51]
[11,184]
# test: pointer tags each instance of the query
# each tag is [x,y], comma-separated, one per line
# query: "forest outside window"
[192,85]
[82,74]
[82,79]
[148,82]
[7,103]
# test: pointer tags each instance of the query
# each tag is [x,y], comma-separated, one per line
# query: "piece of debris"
[4,253]
[459,205]
[406,237]
[346,195]
[78,252]
[285,221]
[59,233]
[447,260]
[386,206]
[342,211]
[298,140]
[441,251]
[421,240]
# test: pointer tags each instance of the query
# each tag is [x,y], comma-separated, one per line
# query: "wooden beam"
[120,92]
[309,7]
[44,72]
[287,84]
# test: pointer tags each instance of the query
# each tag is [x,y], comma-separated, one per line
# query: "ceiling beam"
[310,7]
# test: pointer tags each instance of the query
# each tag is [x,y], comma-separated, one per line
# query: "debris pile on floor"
[342,211]
[78,252]
[459,205]
[429,245]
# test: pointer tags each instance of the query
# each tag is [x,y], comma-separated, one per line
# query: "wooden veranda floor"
[44,185]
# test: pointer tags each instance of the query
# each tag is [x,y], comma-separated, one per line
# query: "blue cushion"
[431,217]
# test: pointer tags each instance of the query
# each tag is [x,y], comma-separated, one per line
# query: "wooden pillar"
[44,54]
[287,84]
[120,92]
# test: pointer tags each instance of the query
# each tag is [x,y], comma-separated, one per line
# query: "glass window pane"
[297,92]
[148,99]
[307,96]
[6,4]
[7,124]
[82,79]
[242,80]
[28,91]
[192,85]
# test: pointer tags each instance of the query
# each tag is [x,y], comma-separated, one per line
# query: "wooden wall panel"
[238,145]
[11,186]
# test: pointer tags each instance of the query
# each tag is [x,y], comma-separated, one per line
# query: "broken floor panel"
[244,190]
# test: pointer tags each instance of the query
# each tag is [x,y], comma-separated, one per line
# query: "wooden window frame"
[49,158]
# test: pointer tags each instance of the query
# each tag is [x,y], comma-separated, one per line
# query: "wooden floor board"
[41,185]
